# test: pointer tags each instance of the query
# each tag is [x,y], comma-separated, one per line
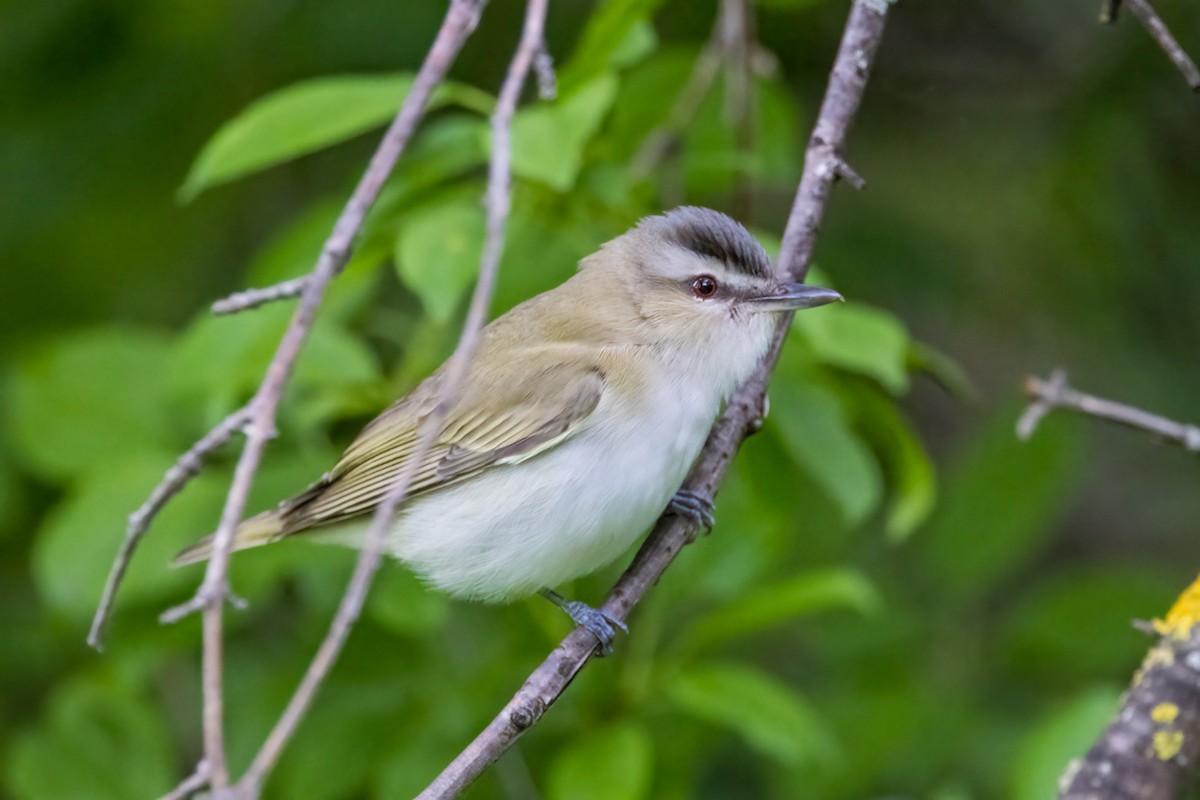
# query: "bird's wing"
[499,420]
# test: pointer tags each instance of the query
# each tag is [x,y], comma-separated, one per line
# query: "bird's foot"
[597,623]
[694,507]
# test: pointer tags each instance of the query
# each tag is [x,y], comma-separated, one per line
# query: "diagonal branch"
[178,476]
[498,197]
[860,42]
[1159,32]
[1047,395]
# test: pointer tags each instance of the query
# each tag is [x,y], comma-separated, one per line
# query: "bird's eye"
[704,286]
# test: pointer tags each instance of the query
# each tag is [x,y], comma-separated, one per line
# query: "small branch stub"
[253,298]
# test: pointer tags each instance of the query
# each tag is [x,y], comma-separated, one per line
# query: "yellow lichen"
[1157,657]
[1164,713]
[1183,615]
[1167,744]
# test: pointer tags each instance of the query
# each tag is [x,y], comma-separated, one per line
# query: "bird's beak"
[793,297]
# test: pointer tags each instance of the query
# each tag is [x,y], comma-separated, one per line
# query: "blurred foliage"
[853,627]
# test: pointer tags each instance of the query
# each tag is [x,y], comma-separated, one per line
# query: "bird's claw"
[597,623]
[693,507]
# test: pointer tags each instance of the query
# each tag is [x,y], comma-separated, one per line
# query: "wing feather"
[539,409]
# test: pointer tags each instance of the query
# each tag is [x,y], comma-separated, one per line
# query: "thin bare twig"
[189,785]
[737,43]
[253,298]
[498,200]
[661,141]
[860,41]
[178,476]
[1047,395]
[460,20]
[1159,32]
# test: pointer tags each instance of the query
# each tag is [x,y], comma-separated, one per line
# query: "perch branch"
[1150,749]
[1159,32]
[860,42]
[1047,395]
[177,477]
[498,197]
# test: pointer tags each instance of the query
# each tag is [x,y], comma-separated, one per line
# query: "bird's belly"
[518,528]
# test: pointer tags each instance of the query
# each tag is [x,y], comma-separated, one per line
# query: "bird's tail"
[254,532]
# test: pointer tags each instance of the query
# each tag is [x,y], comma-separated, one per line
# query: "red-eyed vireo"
[580,415]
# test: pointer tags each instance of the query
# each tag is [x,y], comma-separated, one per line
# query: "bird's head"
[699,280]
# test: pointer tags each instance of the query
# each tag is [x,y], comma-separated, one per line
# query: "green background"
[855,626]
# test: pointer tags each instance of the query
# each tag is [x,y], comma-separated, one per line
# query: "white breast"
[519,528]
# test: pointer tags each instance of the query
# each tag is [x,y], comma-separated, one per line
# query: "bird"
[580,414]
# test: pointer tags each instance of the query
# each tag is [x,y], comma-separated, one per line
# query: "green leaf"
[611,763]
[219,361]
[943,369]
[766,713]
[999,500]
[817,434]
[812,591]
[80,536]
[90,400]
[712,156]
[1074,626]
[1061,736]
[548,139]
[93,741]
[306,117]
[909,472]
[860,339]
[438,251]
[640,41]
[606,41]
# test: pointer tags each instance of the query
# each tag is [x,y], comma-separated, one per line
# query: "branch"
[743,415]
[1158,32]
[1150,749]
[177,477]
[1047,395]
[253,298]
[498,196]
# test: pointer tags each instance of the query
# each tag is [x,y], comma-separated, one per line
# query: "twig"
[1150,749]
[178,476]
[1159,32]
[460,20]
[661,141]
[737,43]
[860,41]
[253,298]
[498,199]
[190,785]
[1047,395]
